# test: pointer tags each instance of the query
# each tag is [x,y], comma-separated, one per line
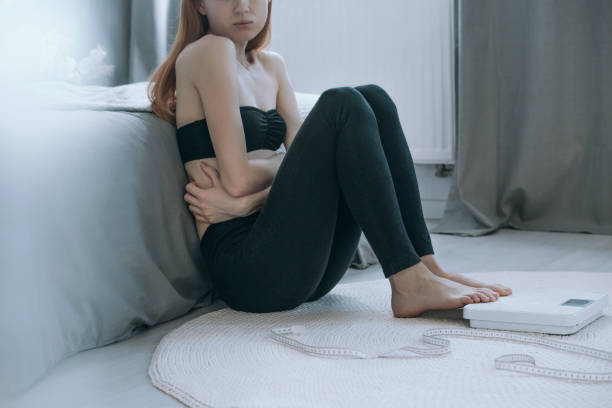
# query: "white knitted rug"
[226,358]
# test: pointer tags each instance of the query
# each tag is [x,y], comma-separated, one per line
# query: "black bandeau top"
[262,130]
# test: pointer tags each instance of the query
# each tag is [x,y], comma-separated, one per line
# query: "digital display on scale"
[576,302]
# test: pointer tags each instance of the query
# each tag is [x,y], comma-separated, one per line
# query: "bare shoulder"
[274,62]
[204,66]
[208,49]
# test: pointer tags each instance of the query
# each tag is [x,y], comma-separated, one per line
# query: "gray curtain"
[136,34]
[153,27]
[534,117]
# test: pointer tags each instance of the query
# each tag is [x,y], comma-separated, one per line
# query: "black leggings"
[348,169]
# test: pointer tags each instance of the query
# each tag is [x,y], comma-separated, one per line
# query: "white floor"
[510,249]
[116,375]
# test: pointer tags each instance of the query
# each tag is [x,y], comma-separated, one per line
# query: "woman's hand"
[214,204]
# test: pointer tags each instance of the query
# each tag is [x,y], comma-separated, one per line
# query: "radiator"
[405,46]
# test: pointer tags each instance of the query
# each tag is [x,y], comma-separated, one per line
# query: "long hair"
[161,89]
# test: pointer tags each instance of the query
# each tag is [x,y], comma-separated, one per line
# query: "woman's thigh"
[344,245]
[286,252]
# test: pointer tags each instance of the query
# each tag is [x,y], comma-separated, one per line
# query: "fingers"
[193,189]
[199,215]
[190,198]
[195,203]
[211,169]
[195,210]
[212,173]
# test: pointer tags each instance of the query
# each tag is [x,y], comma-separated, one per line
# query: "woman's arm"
[253,202]
[215,204]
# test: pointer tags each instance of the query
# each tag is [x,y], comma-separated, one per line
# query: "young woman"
[278,230]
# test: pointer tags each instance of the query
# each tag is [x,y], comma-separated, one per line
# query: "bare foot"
[416,289]
[497,287]
[433,266]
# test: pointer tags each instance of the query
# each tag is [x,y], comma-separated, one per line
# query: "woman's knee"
[376,96]
[343,95]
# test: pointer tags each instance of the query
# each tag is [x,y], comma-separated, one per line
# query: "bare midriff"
[196,174]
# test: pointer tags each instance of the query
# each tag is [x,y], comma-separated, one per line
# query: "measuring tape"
[511,362]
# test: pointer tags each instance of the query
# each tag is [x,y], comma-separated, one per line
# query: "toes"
[491,293]
[502,290]
[487,293]
[466,299]
[484,297]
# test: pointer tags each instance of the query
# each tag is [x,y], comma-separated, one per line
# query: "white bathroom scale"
[538,310]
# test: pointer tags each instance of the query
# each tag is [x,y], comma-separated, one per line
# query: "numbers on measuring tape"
[523,363]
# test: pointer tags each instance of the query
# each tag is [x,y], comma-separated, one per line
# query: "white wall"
[406,46]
